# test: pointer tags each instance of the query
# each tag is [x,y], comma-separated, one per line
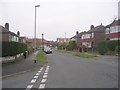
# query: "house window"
[92,35]
[107,30]
[118,28]
[89,44]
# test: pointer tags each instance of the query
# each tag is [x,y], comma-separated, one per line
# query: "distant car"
[47,50]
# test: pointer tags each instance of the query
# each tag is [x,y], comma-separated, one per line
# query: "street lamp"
[65,41]
[35,27]
[42,42]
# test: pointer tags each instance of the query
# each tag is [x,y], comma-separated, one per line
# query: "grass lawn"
[85,55]
[41,56]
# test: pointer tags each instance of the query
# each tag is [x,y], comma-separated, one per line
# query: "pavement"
[21,66]
[68,71]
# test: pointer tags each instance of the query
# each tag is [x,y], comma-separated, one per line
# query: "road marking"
[48,66]
[36,77]
[29,86]
[41,69]
[42,86]
[45,73]
[43,80]
[44,76]
[33,80]
[46,70]
[37,73]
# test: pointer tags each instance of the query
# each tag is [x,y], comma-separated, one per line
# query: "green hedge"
[102,47]
[105,46]
[71,45]
[12,48]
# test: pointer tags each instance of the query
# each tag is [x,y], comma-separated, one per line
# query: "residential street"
[68,71]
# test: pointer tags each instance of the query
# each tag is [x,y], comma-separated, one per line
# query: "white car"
[47,50]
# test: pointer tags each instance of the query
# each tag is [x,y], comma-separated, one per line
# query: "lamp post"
[42,42]
[65,41]
[35,27]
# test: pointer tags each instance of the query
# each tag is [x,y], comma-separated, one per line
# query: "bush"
[13,48]
[111,45]
[102,48]
[117,49]
[71,45]
[105,46]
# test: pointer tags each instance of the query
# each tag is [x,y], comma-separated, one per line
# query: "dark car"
[47,50]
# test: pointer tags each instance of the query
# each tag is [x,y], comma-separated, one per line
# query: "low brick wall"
[11,58]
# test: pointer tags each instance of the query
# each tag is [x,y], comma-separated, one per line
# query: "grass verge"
[85,55]
[41,56]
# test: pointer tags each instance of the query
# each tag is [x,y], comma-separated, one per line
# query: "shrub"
[12,48]
[102,48]
[105,46]
[117,49]
[71,45]
[111,45]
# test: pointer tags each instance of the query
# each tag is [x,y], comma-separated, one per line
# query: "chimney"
[91,27]
[18,33]
[7,26]
[77,32]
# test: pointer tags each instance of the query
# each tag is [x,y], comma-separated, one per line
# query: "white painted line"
[33,80]
[42,86]
[46,70]
[41,69]
[36,77]
[45,73]
[44,76]
[43,80]
[29,86]
[37,73]
[48,66]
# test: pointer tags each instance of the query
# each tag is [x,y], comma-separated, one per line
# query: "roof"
[114,23]
[37,40]
[79,35]
[97,28]
[4,30]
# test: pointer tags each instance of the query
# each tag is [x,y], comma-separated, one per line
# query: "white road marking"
[44,76]
[36,77]
[42,86]
[41,69]
[37,73]
[43,80]
[33,80]
[48,66]
[29,86]
[46,70]
[45,73]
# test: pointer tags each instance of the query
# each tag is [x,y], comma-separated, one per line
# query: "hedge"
[102,47]
[105,46]
[12,48]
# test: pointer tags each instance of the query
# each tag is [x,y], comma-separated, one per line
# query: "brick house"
[63,40]
[78,40]
[38,42]
[91,38]
[112,30]
[6,35]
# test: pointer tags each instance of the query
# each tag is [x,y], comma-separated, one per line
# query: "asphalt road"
[68,71]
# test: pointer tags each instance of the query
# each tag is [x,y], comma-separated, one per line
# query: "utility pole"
[65,41]
[35,28]
[42,42]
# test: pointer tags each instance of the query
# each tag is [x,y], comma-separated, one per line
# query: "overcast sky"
[56,17]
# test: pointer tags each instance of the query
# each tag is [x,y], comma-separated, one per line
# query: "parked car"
[47,50]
